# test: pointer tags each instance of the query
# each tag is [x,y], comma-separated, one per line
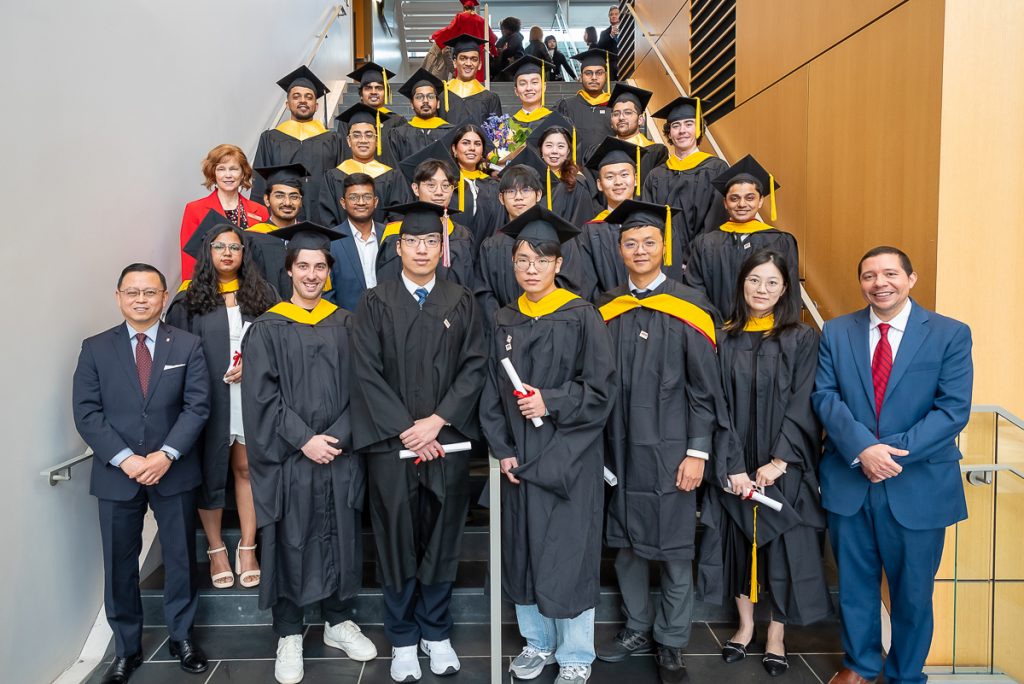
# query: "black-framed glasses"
[414,241]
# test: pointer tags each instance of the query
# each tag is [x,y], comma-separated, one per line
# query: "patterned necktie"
[143,362]
[421,295]
[881,366]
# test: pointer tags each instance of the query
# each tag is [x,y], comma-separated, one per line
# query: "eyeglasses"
[360,199]
[424,97]
[432,186]
[368,135]
[770,285]
[633,245]
[230,246]
[541,264]
[412,241]
[146,294]
[518,192]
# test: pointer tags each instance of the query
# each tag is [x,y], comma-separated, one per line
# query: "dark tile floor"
[246,654]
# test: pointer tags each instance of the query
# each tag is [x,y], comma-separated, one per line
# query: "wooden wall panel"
[669,26]
[971,643]
[774,38]
[873,153]
[1009,607]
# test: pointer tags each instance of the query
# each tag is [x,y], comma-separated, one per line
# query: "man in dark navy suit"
[893,391]
[140,400]
[355,260]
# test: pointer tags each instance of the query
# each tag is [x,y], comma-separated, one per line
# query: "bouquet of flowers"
[506,134]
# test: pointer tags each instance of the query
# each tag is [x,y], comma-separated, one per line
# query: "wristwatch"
[169,457]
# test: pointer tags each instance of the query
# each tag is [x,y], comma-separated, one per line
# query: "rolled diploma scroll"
[448,449]
[758,497]
[610,478]
[518,385]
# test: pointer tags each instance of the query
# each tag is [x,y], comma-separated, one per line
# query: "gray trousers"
[671,616]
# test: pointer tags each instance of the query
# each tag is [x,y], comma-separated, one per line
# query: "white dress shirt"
[897,326]
[412,287]
[367,251]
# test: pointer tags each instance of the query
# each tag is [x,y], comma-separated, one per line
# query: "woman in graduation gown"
[553,498]
[570,191]
[768,360]
[476,193]
[226,295]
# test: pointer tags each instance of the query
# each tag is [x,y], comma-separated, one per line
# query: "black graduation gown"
[716,258]
[297,386]
[603,269]
[408,365]
[551,521]
[269,253]
[482,215]
[391,188]
[213,448]
[692,192]
[460,244]
[406,140]
[474,109]
[592,123]
[670,400]
[317,154]
[768,383]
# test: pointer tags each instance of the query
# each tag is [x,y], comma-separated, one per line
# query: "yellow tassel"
[543,86]
[698,118]
[753,562]
[387,90]
[574,146]
[771,194]
[445,85]
[637,170]
[378,130]
[668,236]
[547,180]
[462,192]
[607,73]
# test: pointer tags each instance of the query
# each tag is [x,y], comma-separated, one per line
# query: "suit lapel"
[349,247]
[164,339]
[859,341]
[123,349]
[915,334]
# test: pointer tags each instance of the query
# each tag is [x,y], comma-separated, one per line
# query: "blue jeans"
[571,639]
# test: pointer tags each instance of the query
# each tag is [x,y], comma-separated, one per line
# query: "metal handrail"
[62,471]
[805,296]
[1000,411]
[494,556]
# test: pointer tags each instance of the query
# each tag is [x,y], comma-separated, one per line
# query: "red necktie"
[881,366]
[143,362]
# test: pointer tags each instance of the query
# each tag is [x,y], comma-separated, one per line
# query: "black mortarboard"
[213,221]
[680,108]
[305,78]
[360,113]
[422,77]
[307,235]
[593,57]
[636,214]
[538,224]
[527,64]
[371,73]
[748,170]
[435,150]
[550,121]
[637,96]
[283,174]
[614,151]
[420,218]
[465,43]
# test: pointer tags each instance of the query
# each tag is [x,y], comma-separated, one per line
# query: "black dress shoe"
[733,652]
[120,671]
[626,643]
[671,668]
[191,657]
[774,664]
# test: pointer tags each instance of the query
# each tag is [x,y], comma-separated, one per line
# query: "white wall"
[109,107]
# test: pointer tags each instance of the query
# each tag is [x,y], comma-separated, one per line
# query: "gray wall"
[108,108]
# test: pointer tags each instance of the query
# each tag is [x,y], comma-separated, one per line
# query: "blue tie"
[421,295]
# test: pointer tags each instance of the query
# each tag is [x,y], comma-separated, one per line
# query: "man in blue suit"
[893,391]
[355,260]
[140,400]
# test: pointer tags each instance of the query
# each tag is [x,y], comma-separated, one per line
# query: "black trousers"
[416,611]
[121,531]
[288,615]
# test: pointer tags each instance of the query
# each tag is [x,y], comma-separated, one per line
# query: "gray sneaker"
[529,663]
[573,674]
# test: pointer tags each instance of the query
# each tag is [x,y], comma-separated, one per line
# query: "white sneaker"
[288,666]
[443,660]
[405,664]
[349,638]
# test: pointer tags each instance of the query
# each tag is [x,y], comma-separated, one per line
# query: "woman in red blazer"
[226,168]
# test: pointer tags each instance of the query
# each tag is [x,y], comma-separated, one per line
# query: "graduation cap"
[422,77]
[551,121]
[528,157]
[597,57]
[465,43]
[537,224]
[679,109]
[371,72]
[637,214]
[435,150]
[213,221]
[748,170]
[628,93]
[307,235]
[615,151]
[528,64]
[291,175]
[423,218]
[470,3]
[303,77]
[361,113]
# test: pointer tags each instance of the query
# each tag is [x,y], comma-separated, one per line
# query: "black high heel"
[733,652]
[774,664]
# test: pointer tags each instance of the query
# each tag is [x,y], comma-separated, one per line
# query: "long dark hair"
[786,311]
[460,133]
[567,172]
[254,295]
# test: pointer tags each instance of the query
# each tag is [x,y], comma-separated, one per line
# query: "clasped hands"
[421,438]
[877,462]
[765,476]
[146,470]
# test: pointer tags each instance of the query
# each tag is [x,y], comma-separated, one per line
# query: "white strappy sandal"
[249,578]
[222,580]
